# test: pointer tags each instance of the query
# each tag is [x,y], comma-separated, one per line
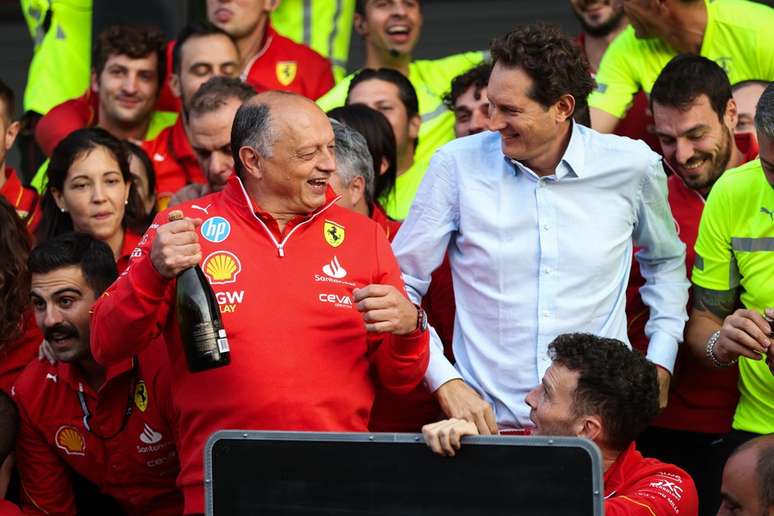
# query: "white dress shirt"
[534,257]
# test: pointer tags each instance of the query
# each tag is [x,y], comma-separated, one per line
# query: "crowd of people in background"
[563,236]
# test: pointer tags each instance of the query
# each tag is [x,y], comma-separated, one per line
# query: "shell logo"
[222,267]
[70,439]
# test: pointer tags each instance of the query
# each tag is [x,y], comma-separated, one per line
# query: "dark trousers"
[701,455]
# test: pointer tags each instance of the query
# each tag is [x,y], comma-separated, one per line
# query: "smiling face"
[598,17]
[204,57]
[552,401]
[390,27]
[527,128]
[210,137]
[61,300]
[94,194]
[294,179]
[694,142]
[127,90]
[471,114]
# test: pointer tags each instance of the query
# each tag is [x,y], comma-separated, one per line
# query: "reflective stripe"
[752,244]
[335,32]
[308,23]
[440,110]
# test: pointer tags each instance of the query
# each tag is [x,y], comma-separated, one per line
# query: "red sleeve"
[667,493]
[133,311]
[45,480]
[400,360]
[63,119]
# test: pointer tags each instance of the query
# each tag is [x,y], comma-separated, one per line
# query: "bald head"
[260,121]
[748,479]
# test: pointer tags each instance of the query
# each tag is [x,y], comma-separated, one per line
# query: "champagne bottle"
[198,318]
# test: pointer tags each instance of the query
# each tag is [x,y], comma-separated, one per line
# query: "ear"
[360,25]
[590,427]
[94,82]
[10,134]
[357,189]
[174,84]
[251,161]
[58,199]
[384,166]
[731,116]
[270,5]
[414,124]
[565,107]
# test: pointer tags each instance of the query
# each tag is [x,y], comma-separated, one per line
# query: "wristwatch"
[421,318]
[709,350]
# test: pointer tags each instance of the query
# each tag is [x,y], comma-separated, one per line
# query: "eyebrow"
[67,290]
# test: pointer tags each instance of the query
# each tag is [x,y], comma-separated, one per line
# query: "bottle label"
[223,345]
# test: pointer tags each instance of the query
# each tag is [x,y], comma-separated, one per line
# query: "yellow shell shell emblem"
[333,233]
[70,439]
[286,72]
[141,396]
[222,267]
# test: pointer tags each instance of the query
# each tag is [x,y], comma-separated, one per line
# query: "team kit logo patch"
[215,229]
[71,440]
[334,233]
[141,396]
[222,267]
[286,72]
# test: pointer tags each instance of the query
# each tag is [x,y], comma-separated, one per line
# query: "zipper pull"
[281,250]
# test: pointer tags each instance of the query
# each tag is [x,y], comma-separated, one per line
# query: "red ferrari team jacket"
[283,64]
[700,399]
[22,198]
[173,160]
[121,437]
[636,486]
[301,358]
[17,353]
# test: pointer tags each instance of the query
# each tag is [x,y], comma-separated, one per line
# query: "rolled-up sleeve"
[421,244]
[662,263]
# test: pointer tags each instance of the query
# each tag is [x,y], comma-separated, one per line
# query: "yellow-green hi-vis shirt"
[431,80]
[739,37]
[735,248]
[323,25]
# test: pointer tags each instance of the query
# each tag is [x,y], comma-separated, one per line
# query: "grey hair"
[252,128]
[353,158]
[764,112]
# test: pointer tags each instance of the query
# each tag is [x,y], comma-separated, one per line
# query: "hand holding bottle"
[176,246]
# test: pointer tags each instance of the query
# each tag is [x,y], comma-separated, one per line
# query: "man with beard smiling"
[598,389]
[695,117]
[311,295]
[112,426]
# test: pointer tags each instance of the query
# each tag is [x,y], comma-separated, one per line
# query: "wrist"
[421,324]
[711,352]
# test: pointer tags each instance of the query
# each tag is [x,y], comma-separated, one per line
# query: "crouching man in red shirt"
[113,426]
[599,389]
[311,294]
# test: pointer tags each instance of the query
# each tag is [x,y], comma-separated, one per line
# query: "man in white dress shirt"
[539,219]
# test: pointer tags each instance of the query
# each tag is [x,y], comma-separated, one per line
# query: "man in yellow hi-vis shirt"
[391,30]
[735,266]
[736,34]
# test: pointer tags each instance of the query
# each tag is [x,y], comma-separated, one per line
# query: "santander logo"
[149,435]
[334,269]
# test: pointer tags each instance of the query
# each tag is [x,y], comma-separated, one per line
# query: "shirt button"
[546,227]
[546,270]
[546,314]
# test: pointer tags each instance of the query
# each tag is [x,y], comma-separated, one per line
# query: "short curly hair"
[133,41]
[614,382]
[556,65]
[477,78]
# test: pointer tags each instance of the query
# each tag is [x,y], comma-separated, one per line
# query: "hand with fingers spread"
[176,246]
[459,401]
[444,437]
[386,310]
[744,333]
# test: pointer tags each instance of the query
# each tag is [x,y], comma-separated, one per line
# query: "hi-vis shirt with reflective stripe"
[323,25]
[735,248]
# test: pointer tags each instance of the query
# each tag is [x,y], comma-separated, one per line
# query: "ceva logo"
[334,269]
[341,301]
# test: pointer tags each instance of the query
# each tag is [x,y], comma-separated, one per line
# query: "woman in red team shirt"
[90,189]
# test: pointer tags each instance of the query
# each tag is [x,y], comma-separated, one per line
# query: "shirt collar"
[573,160]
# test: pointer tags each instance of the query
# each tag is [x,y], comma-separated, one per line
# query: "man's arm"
[603,121]
[132,312]
[420,247]
[669,492]
[662,264]
[45,479]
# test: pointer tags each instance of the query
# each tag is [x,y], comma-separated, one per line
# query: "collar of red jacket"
[268,37]
[236,193]
[181,146]
[12,190]
[747,143]
[615,476]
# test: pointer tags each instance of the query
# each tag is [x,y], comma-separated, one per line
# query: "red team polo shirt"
[22,198]
[136,465]
[174,161]
[301,358]
[636,486]
[700,399]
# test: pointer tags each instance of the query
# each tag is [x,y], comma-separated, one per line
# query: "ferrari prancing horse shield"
[286,72]
[334,233]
